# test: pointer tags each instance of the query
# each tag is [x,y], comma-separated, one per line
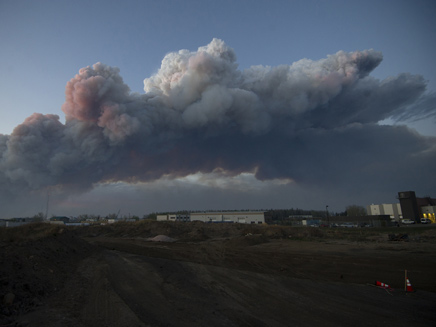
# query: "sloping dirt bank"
[35,262]
[228,276]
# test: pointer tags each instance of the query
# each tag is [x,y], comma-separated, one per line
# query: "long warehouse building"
[240,217]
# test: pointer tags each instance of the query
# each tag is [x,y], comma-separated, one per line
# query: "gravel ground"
[201,275]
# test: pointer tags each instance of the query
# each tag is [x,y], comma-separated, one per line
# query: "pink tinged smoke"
[200,113]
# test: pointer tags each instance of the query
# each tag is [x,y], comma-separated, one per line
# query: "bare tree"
[355,211]
[38,217]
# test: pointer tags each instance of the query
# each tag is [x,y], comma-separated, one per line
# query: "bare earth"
[216,275]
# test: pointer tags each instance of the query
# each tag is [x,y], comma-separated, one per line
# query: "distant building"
[410,207]
[427,208]
[311,222]
[241,217]
[173,217]
[15,222]
[392,210]
[429,212]
[414,208]
[362,221]
[60,219]
[299,220]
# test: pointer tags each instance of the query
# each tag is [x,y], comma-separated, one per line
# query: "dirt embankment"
[36,260]
[206,274]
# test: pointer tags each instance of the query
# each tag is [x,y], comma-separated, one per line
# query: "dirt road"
[249,280]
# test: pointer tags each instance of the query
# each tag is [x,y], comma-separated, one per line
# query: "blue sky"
[45,43]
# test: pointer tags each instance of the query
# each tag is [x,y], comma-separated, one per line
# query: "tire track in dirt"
[131,282]
[104,306]
[165,292]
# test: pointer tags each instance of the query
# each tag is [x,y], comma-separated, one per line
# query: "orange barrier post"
[409,287]
[382,285]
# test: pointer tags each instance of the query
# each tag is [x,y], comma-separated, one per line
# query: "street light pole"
[327,214]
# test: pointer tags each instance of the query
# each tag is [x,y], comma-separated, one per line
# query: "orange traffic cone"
[409,287]
[382,285]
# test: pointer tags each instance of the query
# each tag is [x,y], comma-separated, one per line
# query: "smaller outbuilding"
[60,218]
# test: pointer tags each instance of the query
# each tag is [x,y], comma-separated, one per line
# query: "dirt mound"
[161,238]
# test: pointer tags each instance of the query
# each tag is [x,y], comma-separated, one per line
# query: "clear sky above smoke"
[272,104]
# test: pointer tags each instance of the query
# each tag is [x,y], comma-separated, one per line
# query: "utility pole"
[46,209]
[327,214]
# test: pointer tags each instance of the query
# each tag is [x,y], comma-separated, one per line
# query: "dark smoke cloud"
[423,108]
[314,122]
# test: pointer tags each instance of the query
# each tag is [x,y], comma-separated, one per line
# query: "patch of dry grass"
[29,232]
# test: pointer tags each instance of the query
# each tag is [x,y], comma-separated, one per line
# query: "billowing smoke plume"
[312,122]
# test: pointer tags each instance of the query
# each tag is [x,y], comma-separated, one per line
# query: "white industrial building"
[241,217]
[173,217]
[393,210]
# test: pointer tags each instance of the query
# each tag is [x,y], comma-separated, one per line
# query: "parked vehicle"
[425,221]
[407,221]
[347,225]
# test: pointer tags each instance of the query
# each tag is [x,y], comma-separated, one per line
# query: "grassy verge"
[29,232]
